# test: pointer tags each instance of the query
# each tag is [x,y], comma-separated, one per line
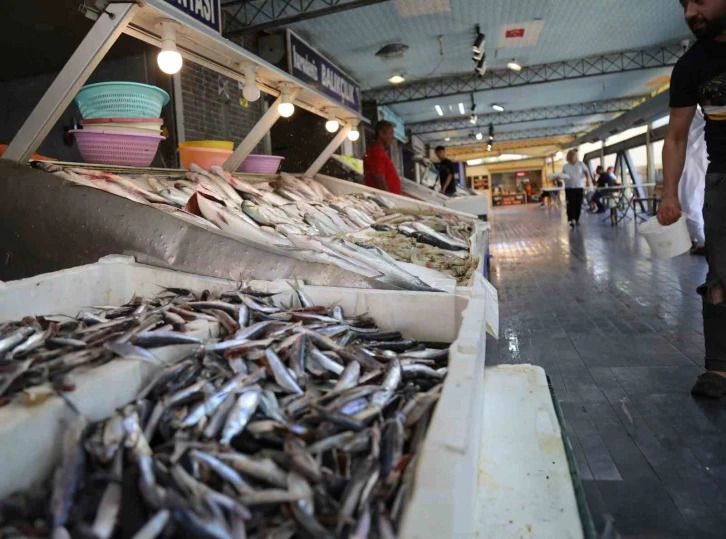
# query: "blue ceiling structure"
[440,34]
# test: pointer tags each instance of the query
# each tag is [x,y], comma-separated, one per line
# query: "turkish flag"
[515,32]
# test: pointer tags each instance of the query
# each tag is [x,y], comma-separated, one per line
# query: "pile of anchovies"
[295,422]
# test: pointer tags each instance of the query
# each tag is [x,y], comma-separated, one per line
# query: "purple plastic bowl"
[261,164]
[117,147]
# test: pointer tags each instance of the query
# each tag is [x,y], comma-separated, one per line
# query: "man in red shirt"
[377,165]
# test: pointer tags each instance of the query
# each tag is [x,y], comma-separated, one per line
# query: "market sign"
[206,12]
[311,67]
[399,129]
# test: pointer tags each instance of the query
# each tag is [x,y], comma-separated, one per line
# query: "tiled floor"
[620,335]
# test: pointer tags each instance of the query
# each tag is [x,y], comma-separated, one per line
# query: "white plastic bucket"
[667,241]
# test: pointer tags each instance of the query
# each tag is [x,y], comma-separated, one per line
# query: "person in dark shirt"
[446,173]
[379,171]
[603,180]
[699,78]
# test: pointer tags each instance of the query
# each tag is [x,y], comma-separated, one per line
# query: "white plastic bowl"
[667,241]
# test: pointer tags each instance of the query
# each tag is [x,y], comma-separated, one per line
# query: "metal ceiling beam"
[542,132]
[648,111]
[462,153]
[466,83]
[242,16]
[530,115]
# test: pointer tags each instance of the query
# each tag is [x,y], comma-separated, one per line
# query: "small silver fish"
[239,415]
[281,374]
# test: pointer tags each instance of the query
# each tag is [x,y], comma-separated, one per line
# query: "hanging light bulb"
[169,59]
[251,91]
[479,136]
[332,125]
[354,134]
[286,108]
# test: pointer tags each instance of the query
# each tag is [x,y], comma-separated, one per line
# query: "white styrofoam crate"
[524,484]
[35,431]
[473,205]
[467,438]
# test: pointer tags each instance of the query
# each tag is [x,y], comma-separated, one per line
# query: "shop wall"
[19,97]
[214,108]
[301,138]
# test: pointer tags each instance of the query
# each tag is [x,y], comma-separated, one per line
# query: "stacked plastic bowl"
[121,124]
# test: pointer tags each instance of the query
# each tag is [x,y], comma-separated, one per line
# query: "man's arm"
[674,159]
[445,186]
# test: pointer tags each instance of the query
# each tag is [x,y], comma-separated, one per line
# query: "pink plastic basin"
[206,157]
[261,164]
[117,147]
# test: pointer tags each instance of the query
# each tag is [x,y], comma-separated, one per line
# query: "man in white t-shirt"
[579,177]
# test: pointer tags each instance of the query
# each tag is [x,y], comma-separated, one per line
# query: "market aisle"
[620,335]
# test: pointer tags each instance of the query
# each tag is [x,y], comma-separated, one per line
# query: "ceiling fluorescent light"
[514,66]
[439,111]
[498,108]
[397,79]
[462,110]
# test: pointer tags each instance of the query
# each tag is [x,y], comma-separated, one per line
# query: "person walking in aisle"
[699,78]
[446,173]
[692,185]
[579,177]
[380,173]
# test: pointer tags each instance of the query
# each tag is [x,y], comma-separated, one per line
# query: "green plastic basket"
[121,100]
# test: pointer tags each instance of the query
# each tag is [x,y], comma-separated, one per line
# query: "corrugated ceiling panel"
[570,29]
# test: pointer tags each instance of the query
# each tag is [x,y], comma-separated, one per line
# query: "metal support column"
[651,160]
[636,177]
[181,134]
[650,175]
[589,169]
[328,151]
[619,168]
[258,132]
[74,74]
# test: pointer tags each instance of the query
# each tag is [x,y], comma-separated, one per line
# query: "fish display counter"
[349,439]
[207,220]
[279,226]
[480,230]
